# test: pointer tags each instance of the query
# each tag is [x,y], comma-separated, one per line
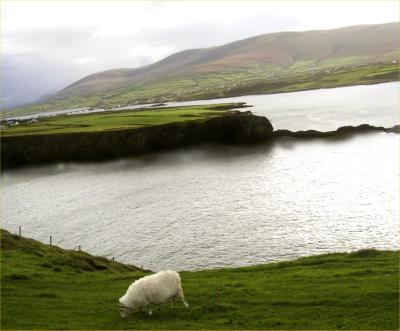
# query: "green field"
[118,120]
[255,79]
[45,287]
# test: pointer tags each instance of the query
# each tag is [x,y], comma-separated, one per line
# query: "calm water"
[325,109]
[217,206]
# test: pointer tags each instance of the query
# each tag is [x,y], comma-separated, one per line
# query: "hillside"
[270,63]
[274,52]
[45,287]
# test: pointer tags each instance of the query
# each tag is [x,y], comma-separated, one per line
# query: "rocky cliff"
[233,128]
[342,132]
[238,128]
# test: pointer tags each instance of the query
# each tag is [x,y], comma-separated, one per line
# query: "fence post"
[50,240]
[20,232]
[79,247]
[113,258]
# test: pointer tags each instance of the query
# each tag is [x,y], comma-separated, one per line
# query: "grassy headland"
[45,287]
[113,135]
[119,120]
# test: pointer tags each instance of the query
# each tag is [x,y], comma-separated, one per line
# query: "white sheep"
[154,289]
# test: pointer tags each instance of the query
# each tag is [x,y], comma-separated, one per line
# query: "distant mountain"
[239,67]
[357,44]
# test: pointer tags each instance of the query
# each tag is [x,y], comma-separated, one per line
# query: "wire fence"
[75,248]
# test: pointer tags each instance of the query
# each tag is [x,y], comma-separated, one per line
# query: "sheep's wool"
[153,289]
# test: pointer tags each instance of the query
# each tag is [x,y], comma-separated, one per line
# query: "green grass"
[261,79]
[341,77]
[44,287]
[118,120]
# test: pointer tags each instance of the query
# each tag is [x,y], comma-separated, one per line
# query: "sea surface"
[218,206]
[324,109]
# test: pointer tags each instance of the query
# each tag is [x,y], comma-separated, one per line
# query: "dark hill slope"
[356,44]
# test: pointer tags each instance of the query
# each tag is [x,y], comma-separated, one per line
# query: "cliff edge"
[235,128]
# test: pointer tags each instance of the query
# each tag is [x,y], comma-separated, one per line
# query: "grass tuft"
[364,253]
[17,277]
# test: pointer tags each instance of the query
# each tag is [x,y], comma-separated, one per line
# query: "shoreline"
[217,97]
[228,128]
[292,91]
[239,128]
[7,234]
[342,132]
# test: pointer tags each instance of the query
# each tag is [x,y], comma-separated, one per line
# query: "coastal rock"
[244,128]
[359,128]
[394,129]
[343,131]
[237,128]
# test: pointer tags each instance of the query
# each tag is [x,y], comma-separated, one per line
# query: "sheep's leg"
[180,295]
[172,301]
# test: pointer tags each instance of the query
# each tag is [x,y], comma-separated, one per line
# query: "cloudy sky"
[46,45]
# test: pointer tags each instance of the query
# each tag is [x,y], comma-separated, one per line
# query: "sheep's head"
[124,311]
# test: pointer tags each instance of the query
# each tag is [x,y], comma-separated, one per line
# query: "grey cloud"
[201,34]
[50,63]
[26,78]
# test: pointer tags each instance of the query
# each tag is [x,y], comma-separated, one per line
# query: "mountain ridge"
[277,49]
[267,63]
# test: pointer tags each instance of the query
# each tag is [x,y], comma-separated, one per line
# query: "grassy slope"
[118,120]
[260,79]
[49,288]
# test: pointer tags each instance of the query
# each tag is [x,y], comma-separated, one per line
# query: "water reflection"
[216,206]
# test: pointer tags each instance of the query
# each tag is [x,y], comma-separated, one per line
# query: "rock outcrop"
[235,128]
[343,131]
